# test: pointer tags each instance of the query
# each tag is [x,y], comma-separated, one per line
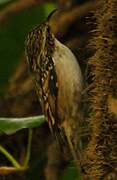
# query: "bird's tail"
[71,133]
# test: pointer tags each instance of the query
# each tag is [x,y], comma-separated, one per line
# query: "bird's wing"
[50,87]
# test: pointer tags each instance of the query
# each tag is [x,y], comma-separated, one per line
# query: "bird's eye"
[48,29]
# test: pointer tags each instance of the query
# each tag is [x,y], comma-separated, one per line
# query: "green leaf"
[11,125]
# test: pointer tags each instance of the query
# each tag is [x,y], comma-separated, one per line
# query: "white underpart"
[70,82]
[69,78]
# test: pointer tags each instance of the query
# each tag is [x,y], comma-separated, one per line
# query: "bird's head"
[39,46]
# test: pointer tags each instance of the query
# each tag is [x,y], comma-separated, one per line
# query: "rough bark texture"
[101,162]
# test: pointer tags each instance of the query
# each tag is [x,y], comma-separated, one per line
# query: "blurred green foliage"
[4,1]
[71,173]
[12,38]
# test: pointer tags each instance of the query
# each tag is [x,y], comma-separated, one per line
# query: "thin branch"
[16,7]
[9,157]
[28,148]
[65,3]
[4,170]
[66,18]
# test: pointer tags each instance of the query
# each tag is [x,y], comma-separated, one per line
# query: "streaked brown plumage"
[58,83]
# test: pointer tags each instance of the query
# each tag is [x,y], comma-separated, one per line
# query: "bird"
[58,82]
